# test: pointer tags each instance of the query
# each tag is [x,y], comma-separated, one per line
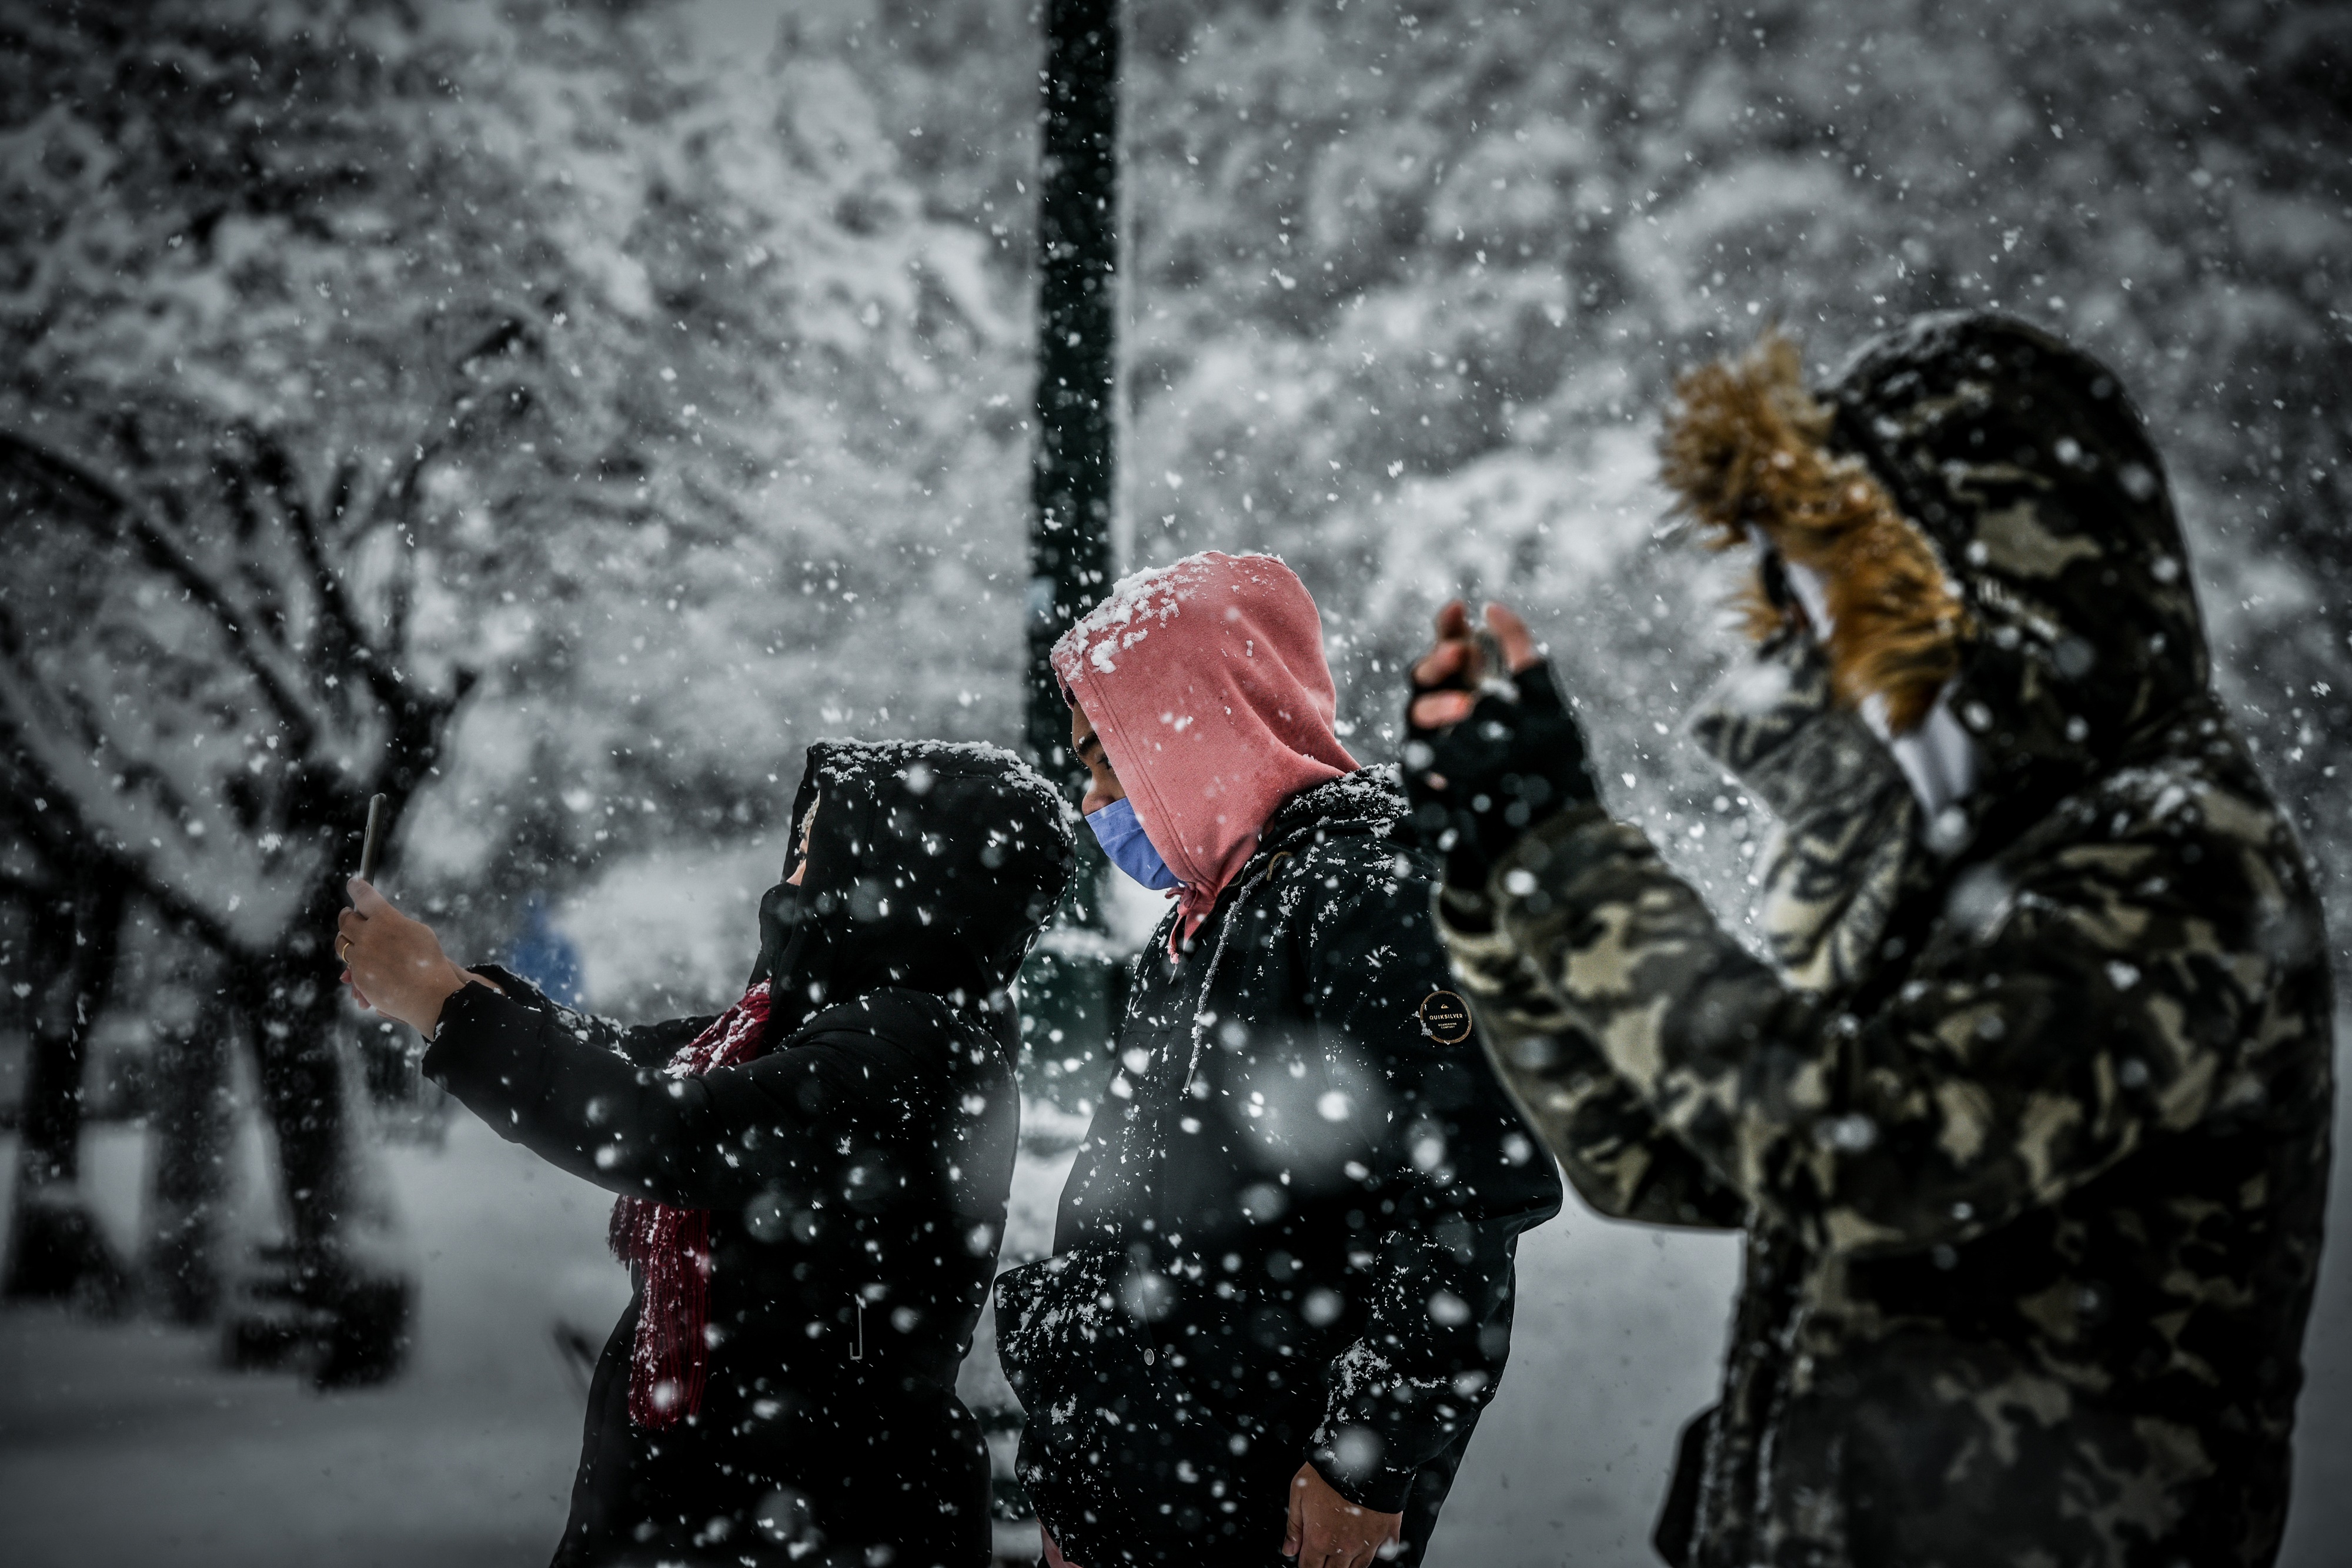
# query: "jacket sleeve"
[1619,1157]
[2079,998]
[550,1079]
[1462,1179]
[647,1044]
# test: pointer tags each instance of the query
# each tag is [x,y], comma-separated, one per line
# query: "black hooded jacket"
[855,1174]
[1290,1232]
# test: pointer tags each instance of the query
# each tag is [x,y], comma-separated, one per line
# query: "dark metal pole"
[1072,485]
[1069,987]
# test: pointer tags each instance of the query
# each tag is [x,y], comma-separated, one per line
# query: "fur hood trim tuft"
[1745,447]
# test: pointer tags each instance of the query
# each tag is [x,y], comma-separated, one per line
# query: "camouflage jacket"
[2028,1129]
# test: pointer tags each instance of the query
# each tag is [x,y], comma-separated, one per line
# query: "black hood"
[932,864]
[2029,470]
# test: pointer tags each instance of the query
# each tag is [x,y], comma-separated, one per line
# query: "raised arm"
[2091,987]
[2037,1043]
[1520,760]
[548,1079]
[647,1044]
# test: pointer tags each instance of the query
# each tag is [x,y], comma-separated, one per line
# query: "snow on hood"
[932,864]
[1207,682]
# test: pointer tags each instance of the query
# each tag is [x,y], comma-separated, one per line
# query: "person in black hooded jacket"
[1283,1266]
[813,1183]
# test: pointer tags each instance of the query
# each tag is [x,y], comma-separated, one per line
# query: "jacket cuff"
[1548,857]
[1468,910]
[484,1050]
[514,986]
[1380,1487]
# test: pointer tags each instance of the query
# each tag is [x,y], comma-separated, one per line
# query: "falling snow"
[558,418]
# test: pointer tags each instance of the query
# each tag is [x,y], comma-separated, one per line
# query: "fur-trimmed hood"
[1985,507]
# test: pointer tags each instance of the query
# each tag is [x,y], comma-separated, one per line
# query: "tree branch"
[62,835]
[97,503]
[396,502]
[274,465]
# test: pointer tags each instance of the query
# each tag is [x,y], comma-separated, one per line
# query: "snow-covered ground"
[123,1444]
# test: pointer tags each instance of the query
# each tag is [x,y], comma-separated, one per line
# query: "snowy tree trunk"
[56,1248]
[339,1294]
[192,1120]
[306,1078]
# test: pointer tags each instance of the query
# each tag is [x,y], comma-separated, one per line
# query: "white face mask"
[1939,758]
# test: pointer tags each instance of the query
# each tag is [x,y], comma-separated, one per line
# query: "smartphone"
[373,844]
[1494,670]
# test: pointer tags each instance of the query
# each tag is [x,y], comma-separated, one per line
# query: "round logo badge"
[1444,1018]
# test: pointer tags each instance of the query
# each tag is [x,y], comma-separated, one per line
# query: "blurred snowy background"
[556,415]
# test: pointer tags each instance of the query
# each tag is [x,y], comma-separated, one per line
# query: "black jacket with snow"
[856,1174]
[1290,1231]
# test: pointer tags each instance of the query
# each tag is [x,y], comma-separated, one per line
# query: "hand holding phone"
[396,964]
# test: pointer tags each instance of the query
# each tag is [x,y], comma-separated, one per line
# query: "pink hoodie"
[1206,681]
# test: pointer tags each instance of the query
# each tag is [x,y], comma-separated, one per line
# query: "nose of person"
[1103,786]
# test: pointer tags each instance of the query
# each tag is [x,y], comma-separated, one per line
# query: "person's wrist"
[448,984]
[1381,1490]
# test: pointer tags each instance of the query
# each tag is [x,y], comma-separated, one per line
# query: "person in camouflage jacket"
[2025,1111]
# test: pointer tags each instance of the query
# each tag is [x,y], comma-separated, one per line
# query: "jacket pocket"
[1118,1459]
[1058,1320]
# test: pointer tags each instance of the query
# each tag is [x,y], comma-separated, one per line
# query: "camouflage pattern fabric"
[2030,1137]
[1848,844]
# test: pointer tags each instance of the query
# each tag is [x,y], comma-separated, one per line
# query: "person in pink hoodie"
[1282,1281]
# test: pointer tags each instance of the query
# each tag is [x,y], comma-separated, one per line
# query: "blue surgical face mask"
[1121,837]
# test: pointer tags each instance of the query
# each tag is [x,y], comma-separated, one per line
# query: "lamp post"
[1072,988]
[1074,480]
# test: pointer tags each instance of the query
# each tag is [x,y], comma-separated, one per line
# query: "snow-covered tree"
[248,362]
[355,354]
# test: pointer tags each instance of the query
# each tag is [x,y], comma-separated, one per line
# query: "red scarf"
[669,1249]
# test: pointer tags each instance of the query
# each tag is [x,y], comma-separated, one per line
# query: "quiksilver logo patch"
[1444,1018]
